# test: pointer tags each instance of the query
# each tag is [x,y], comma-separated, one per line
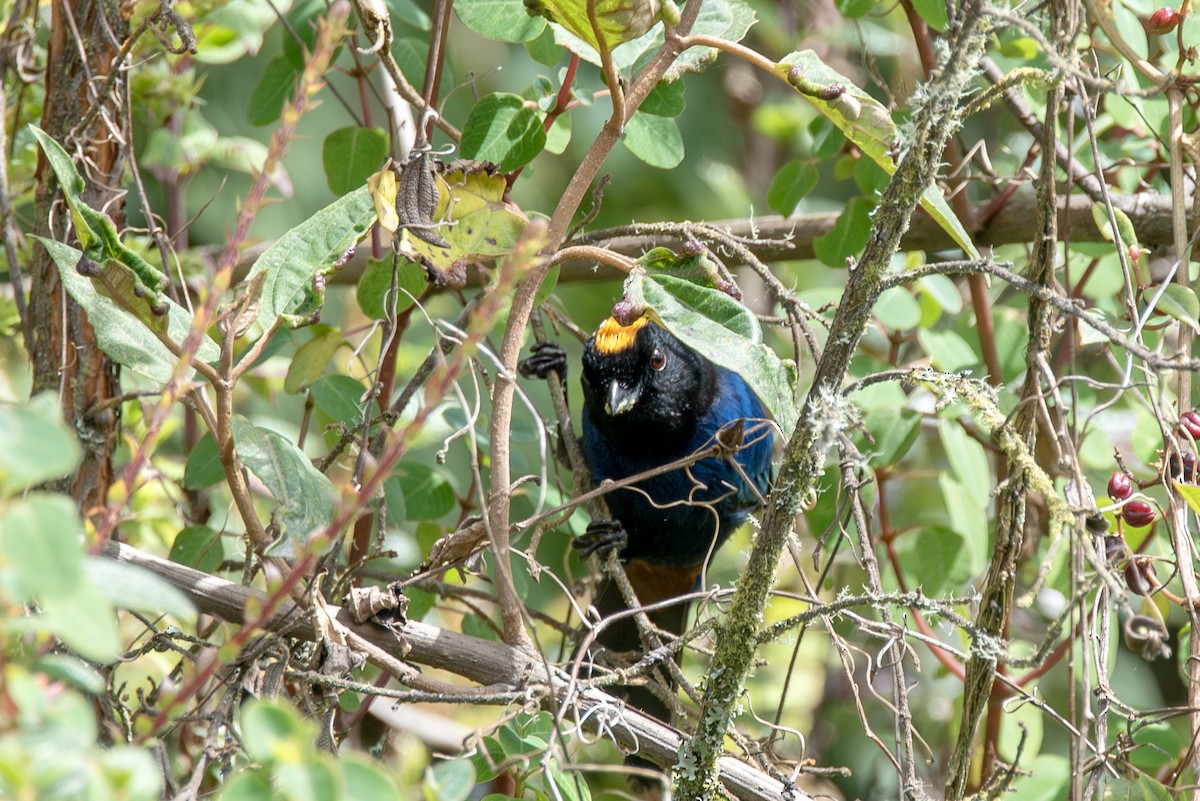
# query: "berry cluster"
[1137,513]
[1180,466]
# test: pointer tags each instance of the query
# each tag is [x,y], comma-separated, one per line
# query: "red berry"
[1119,487]
[1164,20]
[1139,574]
[1138,513]
[1190,422]
[1135,253]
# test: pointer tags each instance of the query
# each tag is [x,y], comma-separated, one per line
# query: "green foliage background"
[114,685]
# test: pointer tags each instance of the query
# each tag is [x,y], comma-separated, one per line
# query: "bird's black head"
[643,387]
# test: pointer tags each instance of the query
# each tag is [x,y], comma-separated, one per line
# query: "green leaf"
[849,234]
[411,53]
[790,185]
[451,780]
[309,249]
[273,732]
[1046,777]
[365,780]
[305,496]
[1022,48]
[1104,225]
[944,291]
[340,397]
[249,785]
[75,672]
[723,331]
[1190,494]
[236,29]
[199,547]
[654,140]
[501,20]
[947,350]
[666,99]
[570,786]
[35,444]
[393,499]
[853,9]
[376,282]
[99,238]
[131,587]
[1139,788]
[1156,742]
[543,49]
[132,772]
[41,540]
[122,335]
[351,155]
[968,461]
[1180,302]
[722,19]
[309,780]
[427,493]
[203,468]
[893,427]
[618,21]
[84,620]
[898,310]
[312,358]
[559,135]
[273,90]
[968,519]
[866,123]
[933,12]
[504,129]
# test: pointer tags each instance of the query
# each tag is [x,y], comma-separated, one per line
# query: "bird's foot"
[601,537]
[545,357]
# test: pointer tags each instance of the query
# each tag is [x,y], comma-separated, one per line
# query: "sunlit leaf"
[722,330]
[867,123]
[313,247]
[472,217]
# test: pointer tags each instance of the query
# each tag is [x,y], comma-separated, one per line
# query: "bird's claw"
[545,357]
[601,537]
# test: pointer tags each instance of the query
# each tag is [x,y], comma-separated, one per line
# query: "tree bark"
[84,39]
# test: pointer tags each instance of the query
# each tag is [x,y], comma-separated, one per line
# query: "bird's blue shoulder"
[679,517]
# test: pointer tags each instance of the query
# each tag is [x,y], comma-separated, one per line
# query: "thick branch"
[775,238]
[486,662]
[823,415]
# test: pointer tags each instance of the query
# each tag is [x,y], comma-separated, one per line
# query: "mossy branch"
[937,118]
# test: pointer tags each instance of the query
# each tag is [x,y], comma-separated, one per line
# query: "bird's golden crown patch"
[612,337]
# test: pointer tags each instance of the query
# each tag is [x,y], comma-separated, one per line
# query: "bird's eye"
[658,360]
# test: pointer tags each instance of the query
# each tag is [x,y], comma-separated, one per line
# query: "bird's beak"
[622,398]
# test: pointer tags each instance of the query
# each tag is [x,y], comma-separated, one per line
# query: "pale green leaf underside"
[121,335]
